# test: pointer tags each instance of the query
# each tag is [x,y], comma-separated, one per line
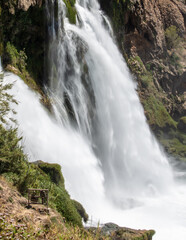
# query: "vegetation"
[71,11]
[172,37]
[81,210]
[22,36]
[157,114]
[15,167]
[5,100]
[170,133]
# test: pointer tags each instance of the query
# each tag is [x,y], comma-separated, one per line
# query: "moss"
[174,143]
[54,171]
[157,114]
[71,11]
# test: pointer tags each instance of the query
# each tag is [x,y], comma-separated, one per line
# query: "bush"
[146,79]
[15,58]
[52,170]
[172,37]
[81,210]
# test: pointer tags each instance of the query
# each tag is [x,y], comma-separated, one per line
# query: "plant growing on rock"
[172,37]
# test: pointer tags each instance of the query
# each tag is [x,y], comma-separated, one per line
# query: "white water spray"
[111,162]
[118,130]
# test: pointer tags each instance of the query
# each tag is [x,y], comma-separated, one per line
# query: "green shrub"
[5,100]
[81,210]
[15,58]
[172,37]
[146,79]
[54,171]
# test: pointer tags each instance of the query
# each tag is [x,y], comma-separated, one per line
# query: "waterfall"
[111,161]
[87,70]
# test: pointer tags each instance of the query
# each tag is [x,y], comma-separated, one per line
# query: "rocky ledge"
[115,232]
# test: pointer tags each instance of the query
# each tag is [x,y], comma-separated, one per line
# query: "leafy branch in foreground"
[5,100]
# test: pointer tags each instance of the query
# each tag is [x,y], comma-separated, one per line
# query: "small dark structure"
[38,196]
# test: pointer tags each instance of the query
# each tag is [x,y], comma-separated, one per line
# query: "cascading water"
[98,133]
[91,74]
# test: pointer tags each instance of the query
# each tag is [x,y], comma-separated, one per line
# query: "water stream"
[98,132]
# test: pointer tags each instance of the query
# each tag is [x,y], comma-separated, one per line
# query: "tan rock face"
[146,25]
[25,4]
[150,19]
[172,13]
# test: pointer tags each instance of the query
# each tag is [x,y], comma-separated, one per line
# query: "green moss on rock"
[157,114]
[52,170]
[71,11]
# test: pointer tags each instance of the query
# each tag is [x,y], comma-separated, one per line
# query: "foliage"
[54,171]
[136,65]
[172,37]
[5,100]
[12,157]
[146,79]
[174,60]
[81,210]
[17,59]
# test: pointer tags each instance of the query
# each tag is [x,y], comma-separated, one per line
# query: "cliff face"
[142,29]
[148,39]
[22,37]
[151,36]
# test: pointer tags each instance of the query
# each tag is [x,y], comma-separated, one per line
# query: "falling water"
[98,132]
[90,73]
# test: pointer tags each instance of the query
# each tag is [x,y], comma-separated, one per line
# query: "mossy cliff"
[151,37]
[22,38]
